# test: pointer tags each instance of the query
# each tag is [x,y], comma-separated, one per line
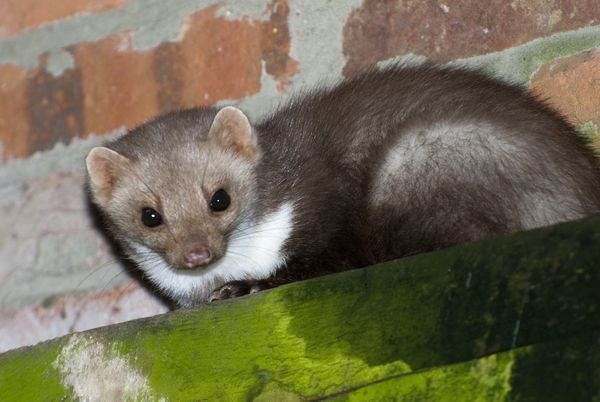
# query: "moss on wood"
[424,326]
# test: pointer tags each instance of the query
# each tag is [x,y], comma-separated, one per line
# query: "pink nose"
[196,257]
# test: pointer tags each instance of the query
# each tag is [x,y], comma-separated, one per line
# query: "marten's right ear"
[104,167]
[232,130]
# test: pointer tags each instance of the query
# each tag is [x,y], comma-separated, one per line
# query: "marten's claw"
[237,289]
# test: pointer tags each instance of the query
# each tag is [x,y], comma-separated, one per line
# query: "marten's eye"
[151,218]
[219,201]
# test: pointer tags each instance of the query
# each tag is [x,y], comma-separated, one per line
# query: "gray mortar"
[518,64]
[151,23]
[257,105]
[316,31]
[60,159]
[237,10]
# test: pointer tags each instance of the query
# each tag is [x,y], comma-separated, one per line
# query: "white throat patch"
[254,252]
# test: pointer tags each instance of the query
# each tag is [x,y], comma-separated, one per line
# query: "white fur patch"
[444,148]
[254,252]
[458,151]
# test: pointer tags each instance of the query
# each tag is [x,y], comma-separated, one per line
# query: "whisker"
[122,292]
[95,270]
[111,279]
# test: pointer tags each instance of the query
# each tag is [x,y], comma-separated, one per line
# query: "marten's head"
[175,189]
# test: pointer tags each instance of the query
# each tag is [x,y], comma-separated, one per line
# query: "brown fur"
[478,158]
[193,168]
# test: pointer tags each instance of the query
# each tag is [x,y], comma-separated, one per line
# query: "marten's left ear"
[104,167]
[231,129]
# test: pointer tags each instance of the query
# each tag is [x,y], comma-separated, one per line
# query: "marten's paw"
[237,289]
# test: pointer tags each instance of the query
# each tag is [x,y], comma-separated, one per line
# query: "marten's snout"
[197,256]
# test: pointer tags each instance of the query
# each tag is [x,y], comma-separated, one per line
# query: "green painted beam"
[341,335]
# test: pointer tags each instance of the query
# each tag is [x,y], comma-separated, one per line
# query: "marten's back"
[425,157]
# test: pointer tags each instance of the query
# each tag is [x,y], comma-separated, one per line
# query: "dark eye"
[151,218]
[219,201]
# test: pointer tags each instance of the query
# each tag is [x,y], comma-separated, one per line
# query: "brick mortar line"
[518,64]
[507,63]
[165,20]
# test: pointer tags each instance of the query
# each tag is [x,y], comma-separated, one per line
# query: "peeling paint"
[96,372]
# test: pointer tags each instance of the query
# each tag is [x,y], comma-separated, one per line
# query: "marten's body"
[389,164]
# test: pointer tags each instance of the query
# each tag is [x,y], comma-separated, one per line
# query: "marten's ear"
[104,167]
[231,129]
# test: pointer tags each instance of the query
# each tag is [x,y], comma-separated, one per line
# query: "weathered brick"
[38,109]
[444,30]
[217,59]
[118,86]
[54,107]
[275,42]
[572,85]
[111,84]
[17,16]
[14,123]
[221,59]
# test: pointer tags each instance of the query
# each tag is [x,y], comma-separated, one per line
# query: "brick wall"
[74,72]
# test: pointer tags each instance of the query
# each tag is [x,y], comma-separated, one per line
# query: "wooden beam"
[340,335]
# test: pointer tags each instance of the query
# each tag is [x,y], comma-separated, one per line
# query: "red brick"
[113,85]
[444,30]
[14,124]
[572,85]
[275,42]
[17,16]
[54,107]
[222,59]
[119,87]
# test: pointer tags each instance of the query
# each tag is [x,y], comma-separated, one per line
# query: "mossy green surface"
[353,330]
[27,374]
[565,370]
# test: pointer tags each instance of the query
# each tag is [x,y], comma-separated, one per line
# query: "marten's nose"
[197,256]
